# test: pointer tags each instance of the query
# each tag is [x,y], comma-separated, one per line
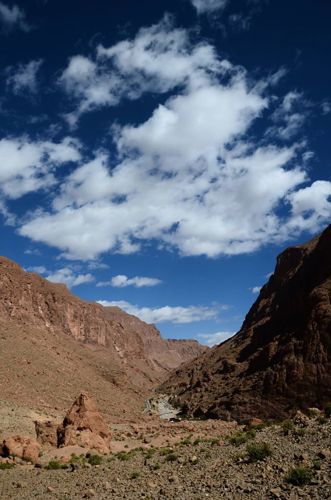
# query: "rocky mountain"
[281,357]
[54,345]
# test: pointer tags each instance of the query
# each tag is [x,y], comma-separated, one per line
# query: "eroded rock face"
[21,447]
[28,299]
[47,432]
[281,358]
[84,426]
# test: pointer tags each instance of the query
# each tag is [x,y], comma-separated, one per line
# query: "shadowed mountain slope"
[281,358]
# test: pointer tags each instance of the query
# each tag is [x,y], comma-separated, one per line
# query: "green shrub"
[54,465]
[150,453]
[317,464]
[185,442]
[5,466]
[258,451]
[166,451]
[197,441]
[171,457]
[156,466]
[327,409]
[135,474]
[299,476]
[242,437]
[298,432]
[95,460]
[288,426]
[123,456]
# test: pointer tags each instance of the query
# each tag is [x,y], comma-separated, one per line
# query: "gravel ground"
[190,471]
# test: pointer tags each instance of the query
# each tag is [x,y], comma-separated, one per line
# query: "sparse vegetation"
[171,457]
[135,474]
[288,427]
[299,476]
[54,465]
[258,451]
[317,464]
[242,437]
[6,465]
[95,460]
[123,456]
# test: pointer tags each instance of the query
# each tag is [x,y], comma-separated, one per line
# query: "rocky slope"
[281,357]
[211,467]
[54,345]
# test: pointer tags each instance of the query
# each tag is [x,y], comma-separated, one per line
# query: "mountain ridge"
[281,357]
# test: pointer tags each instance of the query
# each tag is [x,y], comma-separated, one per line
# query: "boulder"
[21,447]
[84,426]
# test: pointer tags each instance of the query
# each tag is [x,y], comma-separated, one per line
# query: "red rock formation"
[84,426]
[21,447]
[281,358]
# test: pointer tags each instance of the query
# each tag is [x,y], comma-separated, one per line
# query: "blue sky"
[159,155]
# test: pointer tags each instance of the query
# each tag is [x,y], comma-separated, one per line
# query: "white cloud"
[12,17]
[37,269]
[207,6]
[68,277]
[27,166]
[158,59]
[256,289]
[122,281]
[192,177]
[23,78]
[212,339]
[290,116]
[170,314]
[310,207]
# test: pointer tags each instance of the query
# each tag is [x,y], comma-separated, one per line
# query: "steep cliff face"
[45,318]
[281,357]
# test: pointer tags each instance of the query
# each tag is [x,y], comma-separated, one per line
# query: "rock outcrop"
[21,447]
[84,426]
[281,358]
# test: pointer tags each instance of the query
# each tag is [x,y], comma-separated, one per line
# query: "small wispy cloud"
[24,77]
[65,275]
[256,289]
[122,281]
[12,18]
[208,6]
[212,339]
[164,314]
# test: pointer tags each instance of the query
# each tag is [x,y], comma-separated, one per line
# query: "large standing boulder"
[21,447]
[84,426]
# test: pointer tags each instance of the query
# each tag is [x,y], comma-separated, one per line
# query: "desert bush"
[5,466]
[123,456]
[135,474]
[258,451]
[299,476]
[95,460]
[317,464]
[287,426]
[242,437]
[54,465]
[171,457]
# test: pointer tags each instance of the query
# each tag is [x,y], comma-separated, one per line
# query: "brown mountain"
[281,358]
[54,346]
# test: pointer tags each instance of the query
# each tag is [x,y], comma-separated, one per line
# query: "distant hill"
[281,357]
[54,345]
